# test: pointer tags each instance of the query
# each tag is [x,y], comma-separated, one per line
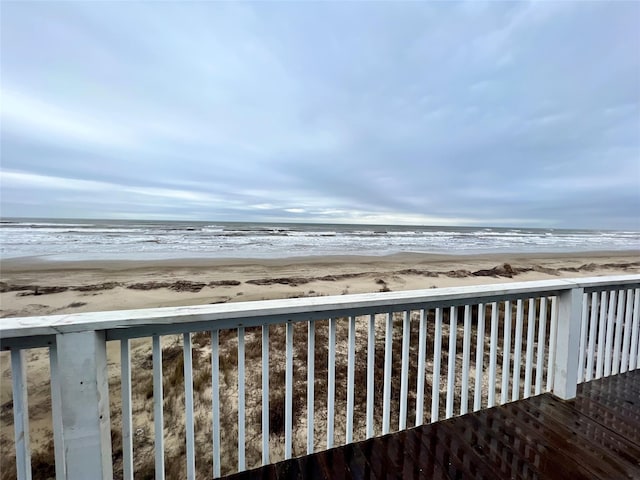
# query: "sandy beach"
[31,287]
[35,287]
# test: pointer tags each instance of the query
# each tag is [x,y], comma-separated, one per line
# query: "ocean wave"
[166,240]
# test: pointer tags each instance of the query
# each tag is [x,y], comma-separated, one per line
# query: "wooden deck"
[595,436]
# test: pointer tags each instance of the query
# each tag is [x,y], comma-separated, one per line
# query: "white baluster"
[386,394]
[517,353]
[311,347]
[466,359]
[493,349]
[451,368]
[506,352]
[288,404]
[371,358]
[158,415]
[437,350]
[351,362]
[331,387]
[593,325]
[241,401]
[542,332]
[188,407]
[215,400]
[528,369]
[422,353]
[477,398]
[265,394]
[404,375]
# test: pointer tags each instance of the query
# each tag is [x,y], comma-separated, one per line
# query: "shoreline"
[36,288]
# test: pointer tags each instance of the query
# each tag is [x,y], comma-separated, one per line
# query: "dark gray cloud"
[503,113]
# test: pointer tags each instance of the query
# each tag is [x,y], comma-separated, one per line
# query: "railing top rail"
[284,309]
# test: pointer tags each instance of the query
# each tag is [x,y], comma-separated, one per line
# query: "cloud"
[468,113]
[92,191]
[40,121]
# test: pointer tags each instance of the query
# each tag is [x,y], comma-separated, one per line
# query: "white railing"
[367,365]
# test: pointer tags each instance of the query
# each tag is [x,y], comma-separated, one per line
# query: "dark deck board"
[594,436]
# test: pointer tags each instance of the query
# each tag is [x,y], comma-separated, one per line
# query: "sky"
[439,113]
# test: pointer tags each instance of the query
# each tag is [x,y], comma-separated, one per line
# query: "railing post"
[565,378]
[84,389]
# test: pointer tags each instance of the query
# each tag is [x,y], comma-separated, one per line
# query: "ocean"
[152,240]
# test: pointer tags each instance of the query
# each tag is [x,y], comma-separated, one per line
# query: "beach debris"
[187,286]
[224,283]
[568,269]
[458,273]
[548,271]
[43,290]
[148,285]
[415,271]
[292,281]
[624,266]
[385,287]
[220,300]
[589,267]
[504,270]
[40,290]
[96,287]
[342,276]
[7,287]
[178,286]
[295,281]
[76,305]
